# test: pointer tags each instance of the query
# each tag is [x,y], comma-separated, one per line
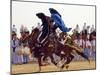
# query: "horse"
[50,45]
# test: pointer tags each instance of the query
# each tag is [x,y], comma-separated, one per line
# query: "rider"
[45,29]
[58,20]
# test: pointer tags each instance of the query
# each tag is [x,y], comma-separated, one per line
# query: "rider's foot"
[68,29]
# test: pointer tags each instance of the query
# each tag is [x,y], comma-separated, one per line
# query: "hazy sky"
[25,13]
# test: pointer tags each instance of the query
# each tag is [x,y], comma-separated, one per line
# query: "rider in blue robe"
[58,20]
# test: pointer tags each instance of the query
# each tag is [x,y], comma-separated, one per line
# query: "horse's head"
[33,37]
[35,33]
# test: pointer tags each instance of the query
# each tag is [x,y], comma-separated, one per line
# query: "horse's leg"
[69,59]
[62,58]
[64,64]
[39,63]
[44,60]
[39,59]
[52,60]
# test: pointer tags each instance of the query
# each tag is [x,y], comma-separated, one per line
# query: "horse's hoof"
[67,67]
[62,66]
[55,63]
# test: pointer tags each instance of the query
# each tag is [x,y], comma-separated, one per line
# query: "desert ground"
[33,67]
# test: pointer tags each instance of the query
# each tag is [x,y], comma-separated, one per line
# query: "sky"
[24,13]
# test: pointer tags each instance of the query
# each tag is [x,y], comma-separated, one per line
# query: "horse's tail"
[83,55]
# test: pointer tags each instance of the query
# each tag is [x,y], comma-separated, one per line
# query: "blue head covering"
[53,11]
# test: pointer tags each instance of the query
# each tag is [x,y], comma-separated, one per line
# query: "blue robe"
[59,23]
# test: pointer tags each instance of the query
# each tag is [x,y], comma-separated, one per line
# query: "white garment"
[88,36]
[39,27]
[26,29]
[77,29]
[39,37]
[87,43]
[79,42]
[14,29]
[93,43]
[16,43]
[92,29]
[26,50]
[88,29]
[84,27]
[22,29]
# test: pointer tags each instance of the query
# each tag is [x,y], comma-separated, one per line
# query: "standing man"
[92,29]
[14,46]
[77,28]
[22,28]
[84,27]
[14,29]
[14,42]
[25,45]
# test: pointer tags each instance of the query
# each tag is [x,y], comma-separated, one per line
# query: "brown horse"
[48,48]
[50,45]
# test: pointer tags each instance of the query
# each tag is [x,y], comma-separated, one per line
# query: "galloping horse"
[50,45]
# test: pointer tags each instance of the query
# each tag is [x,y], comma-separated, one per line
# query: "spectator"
[14,42]
[84,27]
[14,29]
[88,29]
[93,43]
[92,29]
[22,28]
[16,59]
[87,46]
[77,28]
[25,44]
